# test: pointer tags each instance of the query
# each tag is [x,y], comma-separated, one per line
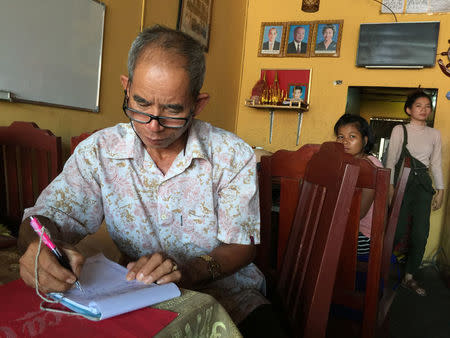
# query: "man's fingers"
[149,269]
[47,282]
[76,259]
[135,268]
[166,267]
[175,276]
[51,275]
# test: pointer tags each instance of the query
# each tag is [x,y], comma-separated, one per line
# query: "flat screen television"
[398,45]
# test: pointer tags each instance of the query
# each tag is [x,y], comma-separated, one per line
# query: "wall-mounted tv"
[398,45]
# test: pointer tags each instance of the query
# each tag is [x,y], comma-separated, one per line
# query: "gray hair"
[162,38]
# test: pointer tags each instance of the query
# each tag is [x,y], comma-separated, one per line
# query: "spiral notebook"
[107,293]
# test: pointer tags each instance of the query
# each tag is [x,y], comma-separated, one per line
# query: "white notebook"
[108,293]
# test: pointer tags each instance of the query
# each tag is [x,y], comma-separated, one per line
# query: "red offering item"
[21,316]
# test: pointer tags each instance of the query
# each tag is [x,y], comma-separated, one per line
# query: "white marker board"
[51,51]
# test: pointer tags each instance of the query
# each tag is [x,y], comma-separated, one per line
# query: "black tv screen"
[398,45]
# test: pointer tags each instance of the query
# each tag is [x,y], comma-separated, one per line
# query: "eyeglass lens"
[162,120]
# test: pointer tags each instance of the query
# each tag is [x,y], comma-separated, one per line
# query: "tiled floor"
[412,316]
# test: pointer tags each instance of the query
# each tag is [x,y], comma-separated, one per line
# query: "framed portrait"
[271,39]
[297,91]
[327,38]
[298,39]
[194,19]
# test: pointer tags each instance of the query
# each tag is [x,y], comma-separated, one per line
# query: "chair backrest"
[384,224]
[280,176]
[30,158]
[310,262]
[376,179]
[345,292]
[394,211]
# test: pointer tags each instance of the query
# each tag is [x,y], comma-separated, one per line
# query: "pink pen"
[62,258]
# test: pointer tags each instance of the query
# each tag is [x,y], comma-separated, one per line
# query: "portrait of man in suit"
[298,44]
[272,44]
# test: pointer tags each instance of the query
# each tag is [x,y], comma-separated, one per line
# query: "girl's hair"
[360,124]
[413,97]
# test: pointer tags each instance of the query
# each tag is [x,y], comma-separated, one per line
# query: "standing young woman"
[355,133]
[422,145]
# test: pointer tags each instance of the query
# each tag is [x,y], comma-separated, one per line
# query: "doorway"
[382,107]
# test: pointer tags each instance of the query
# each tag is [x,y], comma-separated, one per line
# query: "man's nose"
[154,125]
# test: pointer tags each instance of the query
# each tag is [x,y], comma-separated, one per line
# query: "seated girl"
[355,134]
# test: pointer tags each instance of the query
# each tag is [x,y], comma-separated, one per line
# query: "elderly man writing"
[179,196]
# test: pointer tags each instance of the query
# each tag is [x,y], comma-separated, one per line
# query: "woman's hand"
[154,268]
[437,200]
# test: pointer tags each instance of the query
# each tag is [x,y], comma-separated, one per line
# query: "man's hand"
[154,268]
[52,276]
[437,200]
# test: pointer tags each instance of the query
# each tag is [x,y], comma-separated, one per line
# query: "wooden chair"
[30,158]
[388,244]
[309,266]
[280,176]
[367,300]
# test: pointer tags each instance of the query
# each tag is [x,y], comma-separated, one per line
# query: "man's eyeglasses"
[144,118]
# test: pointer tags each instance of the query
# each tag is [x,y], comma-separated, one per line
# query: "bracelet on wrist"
[213,266]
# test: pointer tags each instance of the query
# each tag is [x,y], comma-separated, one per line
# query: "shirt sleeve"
[395,149]
[73,200]
[238,201]
[436,161]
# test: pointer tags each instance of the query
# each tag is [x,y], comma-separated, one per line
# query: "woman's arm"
[395,149]
[437,199]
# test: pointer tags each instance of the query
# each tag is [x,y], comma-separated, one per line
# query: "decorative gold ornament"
[310,5]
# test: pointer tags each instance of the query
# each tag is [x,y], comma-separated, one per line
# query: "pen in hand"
[62,258]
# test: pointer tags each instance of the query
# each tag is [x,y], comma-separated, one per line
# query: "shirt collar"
[197,143]
[126,144]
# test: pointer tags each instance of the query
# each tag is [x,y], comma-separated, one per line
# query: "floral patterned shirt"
[209,196]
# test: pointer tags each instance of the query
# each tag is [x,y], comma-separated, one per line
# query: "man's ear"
[124,81]
[366,139]
[200,103]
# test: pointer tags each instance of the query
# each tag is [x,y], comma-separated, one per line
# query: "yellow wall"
[328,101]
[122,24]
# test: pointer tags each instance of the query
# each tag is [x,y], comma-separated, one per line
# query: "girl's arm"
[436,170]
[437,199]
[393,155]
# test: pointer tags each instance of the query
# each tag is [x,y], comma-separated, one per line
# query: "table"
[200,315]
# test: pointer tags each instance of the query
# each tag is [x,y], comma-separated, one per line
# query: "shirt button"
[163,217]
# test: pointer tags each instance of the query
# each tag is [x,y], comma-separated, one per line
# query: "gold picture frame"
[327,38]
[194,19]
[298,30]
[271,31]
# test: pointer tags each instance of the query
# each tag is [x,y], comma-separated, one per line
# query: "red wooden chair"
[280,176]
[30,158]
[367,299]
[309,266]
